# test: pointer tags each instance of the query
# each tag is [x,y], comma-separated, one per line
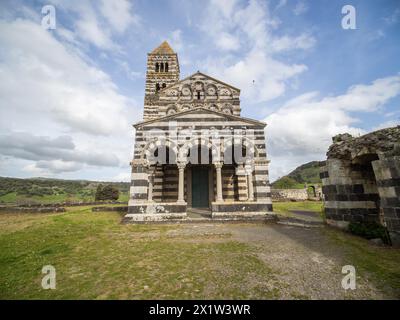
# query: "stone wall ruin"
[361,180]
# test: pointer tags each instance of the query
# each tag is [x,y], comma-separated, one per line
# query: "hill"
[306,173]
[44,190]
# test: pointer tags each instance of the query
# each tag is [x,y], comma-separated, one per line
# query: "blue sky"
[70,95]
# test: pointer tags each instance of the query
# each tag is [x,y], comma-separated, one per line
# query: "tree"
[285,183]
[108,192]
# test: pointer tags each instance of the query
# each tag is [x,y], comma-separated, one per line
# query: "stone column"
[181,168]
[218,168]
[250,190]
[150,188]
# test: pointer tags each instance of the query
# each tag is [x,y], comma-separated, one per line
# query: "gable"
[199,82]
[200,115]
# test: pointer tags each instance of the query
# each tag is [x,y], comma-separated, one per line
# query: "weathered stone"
[362,180]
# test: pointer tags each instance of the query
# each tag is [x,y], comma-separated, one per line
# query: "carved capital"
[181,165]
[218,165]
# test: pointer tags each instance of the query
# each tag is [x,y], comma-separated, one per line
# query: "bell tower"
[162,71]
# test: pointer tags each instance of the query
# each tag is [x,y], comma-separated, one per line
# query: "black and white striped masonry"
[194,150]
[361,180]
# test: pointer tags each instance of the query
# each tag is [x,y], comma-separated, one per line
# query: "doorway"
[200,190]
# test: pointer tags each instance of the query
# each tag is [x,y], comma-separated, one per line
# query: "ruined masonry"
[221,189]
[361,180]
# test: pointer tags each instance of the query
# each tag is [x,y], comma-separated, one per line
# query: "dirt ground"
[307,262]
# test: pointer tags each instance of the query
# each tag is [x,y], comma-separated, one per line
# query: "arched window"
[198,95]
[164,85]
[157,87]
[157,67]
[166,67]
[171,111]
[162,67]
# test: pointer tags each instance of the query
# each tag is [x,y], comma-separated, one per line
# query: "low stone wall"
[289,194]
[104,208]
[15,209]
[68,204]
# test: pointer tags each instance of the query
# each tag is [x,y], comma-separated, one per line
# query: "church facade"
[194,151]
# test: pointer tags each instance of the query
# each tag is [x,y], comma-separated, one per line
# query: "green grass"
[314,206]
[13,198]
[98,258]
[381,265]
[283,208]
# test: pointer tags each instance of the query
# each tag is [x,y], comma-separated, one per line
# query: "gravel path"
[306,261]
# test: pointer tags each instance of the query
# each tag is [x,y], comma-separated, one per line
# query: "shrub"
[107,192]
[285,183]
[369,230]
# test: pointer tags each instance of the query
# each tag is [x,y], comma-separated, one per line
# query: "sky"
[69,95]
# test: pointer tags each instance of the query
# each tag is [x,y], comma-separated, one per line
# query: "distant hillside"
[306,173]
[44,190]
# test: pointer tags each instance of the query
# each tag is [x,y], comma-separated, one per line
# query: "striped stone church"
[194,152]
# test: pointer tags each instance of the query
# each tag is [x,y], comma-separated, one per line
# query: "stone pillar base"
[153,211]
[240,208]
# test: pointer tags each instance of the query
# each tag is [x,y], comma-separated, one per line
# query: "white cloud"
[26,146]
[38,69]
[118,14]
[260,77]
[281,4]
[300,8]
[228,42]
[58,112]
[256,69]
[58,166]
[96,23]
[125,67]
[123,176]
[387,124]
[284,43]
[175,40]
[88,28]
[393,18]
[302,129]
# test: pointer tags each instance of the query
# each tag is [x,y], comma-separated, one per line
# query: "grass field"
[315,206]
[96,257]
[14,198]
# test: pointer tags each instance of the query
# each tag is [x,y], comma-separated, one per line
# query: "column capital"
[248,169]
[150,170]
[181,165]
[239,170]
[218,164]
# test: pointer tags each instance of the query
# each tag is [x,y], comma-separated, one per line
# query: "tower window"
[157,87]
[161,67]
[157,67]
[166,67]
[164,85]
[198,95]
